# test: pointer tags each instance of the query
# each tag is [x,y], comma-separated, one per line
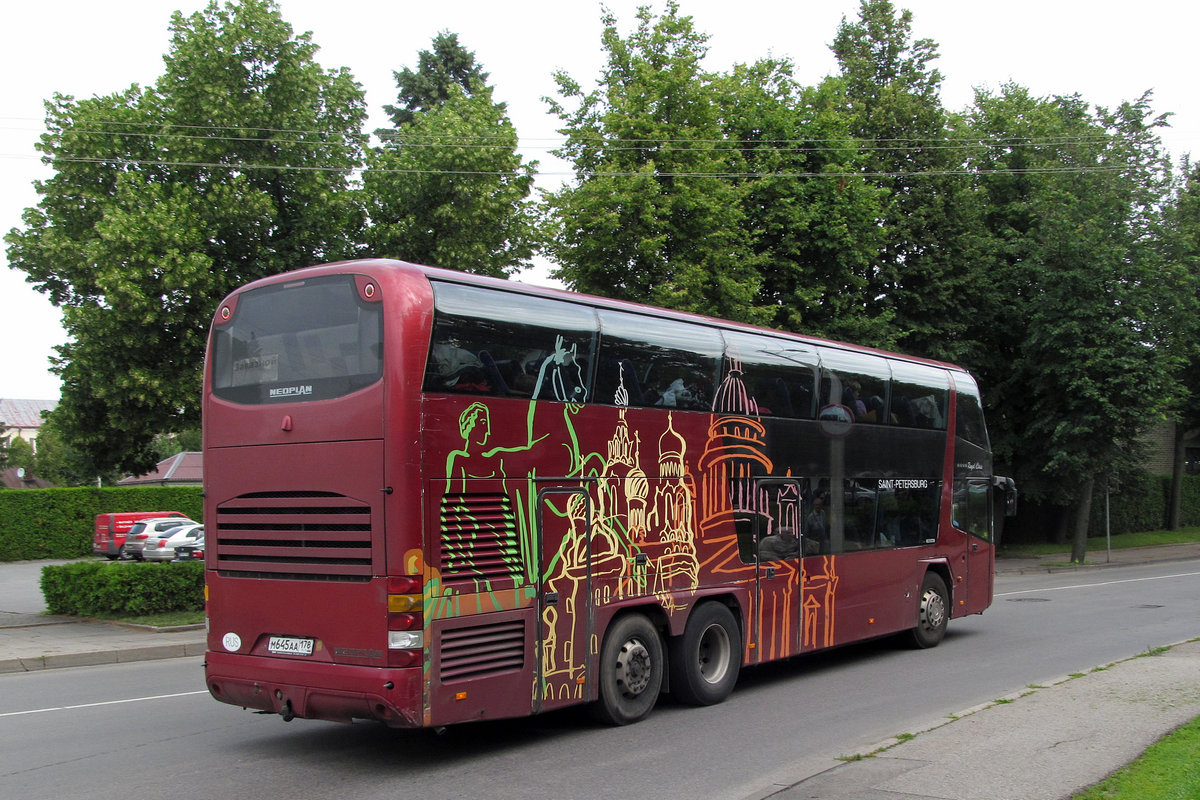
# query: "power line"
[120,162]
[609,144]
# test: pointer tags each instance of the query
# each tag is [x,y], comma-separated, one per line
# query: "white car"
[145,529]
[162,548]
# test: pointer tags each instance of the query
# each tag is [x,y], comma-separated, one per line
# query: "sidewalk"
[37,641]
[33,640]
[1098,558]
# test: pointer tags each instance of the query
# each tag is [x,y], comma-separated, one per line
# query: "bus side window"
[778,375]
[969,419]
[919,396]
[487,341]
[860,508]
[908,516]
[858,382]
[647,361]
[970,510]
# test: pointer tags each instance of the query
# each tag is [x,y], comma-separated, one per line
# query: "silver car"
[143,529]
[162,547]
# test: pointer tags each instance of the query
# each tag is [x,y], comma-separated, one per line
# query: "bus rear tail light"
[406,621]
[404,584]
[404,658]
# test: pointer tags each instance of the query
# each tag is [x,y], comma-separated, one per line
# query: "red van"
[111,530]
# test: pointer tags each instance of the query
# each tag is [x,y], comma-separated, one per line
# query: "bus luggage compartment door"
[779,542]
[565,605]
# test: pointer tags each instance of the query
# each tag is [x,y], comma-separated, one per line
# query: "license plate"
[289,646]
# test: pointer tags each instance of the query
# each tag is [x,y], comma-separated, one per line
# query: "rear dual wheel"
[706,659]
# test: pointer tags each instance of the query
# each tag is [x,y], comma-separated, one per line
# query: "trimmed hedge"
[102,588]
[1142,503]
[59,523]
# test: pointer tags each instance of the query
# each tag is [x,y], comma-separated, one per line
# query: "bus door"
[564,596]
[973,518]
[780,541]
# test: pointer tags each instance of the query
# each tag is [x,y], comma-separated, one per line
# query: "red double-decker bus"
[434,497]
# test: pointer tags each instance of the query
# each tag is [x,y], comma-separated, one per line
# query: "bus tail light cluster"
[406,621]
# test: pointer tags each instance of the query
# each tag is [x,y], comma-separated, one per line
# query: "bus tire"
[933,612]
[706,659]
[631,671]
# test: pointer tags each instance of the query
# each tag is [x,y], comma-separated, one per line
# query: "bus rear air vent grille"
[308,536]
[482,651]
[479,539]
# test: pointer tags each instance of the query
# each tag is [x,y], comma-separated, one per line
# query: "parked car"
[192,551]
[111,529]
[142,530]
[162,548]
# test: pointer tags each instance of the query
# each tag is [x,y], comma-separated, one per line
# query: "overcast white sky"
[1104,50]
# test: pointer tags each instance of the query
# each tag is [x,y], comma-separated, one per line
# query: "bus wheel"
[933,613]
[631,671]
[706,659]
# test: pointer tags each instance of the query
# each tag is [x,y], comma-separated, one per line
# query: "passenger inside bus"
[779,546]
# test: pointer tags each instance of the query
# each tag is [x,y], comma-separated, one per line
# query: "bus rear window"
[308,340]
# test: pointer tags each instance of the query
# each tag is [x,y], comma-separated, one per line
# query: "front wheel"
[933,612]
[631,671]
[706,659]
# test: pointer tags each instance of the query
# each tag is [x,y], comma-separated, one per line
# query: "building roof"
[181,469]
[24,414]
[11,479]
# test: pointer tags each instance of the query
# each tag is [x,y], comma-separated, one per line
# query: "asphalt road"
[148,730]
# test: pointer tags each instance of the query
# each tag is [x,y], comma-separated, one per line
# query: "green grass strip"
[1168,770]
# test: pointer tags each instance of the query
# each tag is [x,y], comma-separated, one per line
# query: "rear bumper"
[336,692]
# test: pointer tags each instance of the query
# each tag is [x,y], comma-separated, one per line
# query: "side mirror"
[1009,487]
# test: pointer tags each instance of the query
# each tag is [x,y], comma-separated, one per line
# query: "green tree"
[891,94]
[64,465]
[447,187]
[233,166]
[811,218]
[20,454]
[652,214]
[1075,350]
[439,71]
[1183,249]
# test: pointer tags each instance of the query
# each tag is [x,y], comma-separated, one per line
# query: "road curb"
[99,657]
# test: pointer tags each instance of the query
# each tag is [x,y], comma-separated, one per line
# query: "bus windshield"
[306,340]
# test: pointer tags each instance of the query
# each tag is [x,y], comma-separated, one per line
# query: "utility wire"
[121,162]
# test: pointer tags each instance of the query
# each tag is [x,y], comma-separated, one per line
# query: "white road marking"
[1102,583]
[105,703]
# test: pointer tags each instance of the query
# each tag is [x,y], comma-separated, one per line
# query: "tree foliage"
[892,106]
[811,219]
[448,187]
[232,166]
[1075,345]
[439,72]
[652,215]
